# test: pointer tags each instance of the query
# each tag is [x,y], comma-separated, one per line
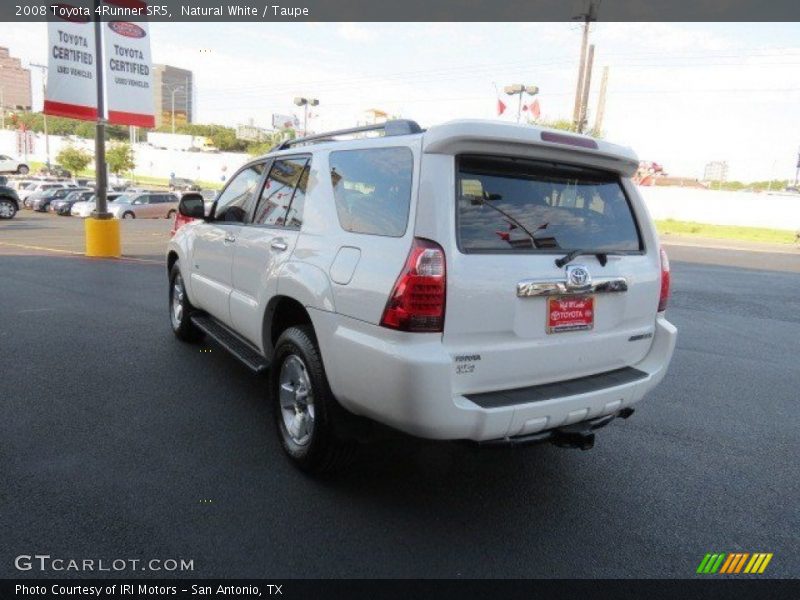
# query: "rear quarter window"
[517,205]
[372,189]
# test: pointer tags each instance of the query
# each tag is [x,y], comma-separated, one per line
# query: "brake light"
[662,300]
[417,299]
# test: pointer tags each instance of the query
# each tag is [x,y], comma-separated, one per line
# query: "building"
[173,83]
[250,132]
[15,83]
[716,171]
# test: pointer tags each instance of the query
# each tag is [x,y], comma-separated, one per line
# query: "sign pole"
[102,230]
[101,185]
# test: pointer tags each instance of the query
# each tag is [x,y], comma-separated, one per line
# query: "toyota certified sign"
[131,30]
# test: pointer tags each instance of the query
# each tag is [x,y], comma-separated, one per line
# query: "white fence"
[776,211]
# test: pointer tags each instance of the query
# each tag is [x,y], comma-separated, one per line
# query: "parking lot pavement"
[118,441]
[45,233]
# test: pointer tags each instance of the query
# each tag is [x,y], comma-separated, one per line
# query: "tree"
[74,159]
[120,158]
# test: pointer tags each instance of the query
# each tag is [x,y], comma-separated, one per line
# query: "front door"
[215,242]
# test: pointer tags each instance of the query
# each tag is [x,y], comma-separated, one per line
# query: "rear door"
[267,242]
[215,239]
[523,319]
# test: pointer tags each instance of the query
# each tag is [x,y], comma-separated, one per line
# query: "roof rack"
[393,127]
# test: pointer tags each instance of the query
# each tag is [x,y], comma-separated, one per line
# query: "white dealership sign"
[127,68]
[71,83]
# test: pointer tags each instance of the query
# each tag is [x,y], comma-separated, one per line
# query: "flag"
[501,108]
[535,110]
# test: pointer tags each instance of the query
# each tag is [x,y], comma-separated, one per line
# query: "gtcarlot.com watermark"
[44,563]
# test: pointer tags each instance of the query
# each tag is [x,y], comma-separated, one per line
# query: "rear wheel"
[306,412]
[128,215]
[7,209]
[23,169]
[171,214]
[180,309]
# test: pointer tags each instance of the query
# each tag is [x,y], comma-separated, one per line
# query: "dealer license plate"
[570,313]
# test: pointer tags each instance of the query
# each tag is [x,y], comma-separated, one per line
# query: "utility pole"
[101,202]
[587,83]
[601,102]
[587,17]
[44,95]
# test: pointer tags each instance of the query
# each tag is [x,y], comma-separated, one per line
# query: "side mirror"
[192,205]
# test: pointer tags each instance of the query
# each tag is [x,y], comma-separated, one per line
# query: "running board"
[244,351]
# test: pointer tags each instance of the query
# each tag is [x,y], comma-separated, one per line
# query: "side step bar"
[234,344]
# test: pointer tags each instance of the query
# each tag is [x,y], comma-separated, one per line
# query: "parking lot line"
[74,253]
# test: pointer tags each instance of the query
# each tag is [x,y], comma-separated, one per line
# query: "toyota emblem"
[578,277]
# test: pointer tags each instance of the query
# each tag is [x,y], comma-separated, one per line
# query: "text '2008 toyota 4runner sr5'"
[476,281]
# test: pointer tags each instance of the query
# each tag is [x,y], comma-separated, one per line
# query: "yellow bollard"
[102,237]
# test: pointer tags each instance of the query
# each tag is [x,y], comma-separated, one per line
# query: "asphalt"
[118,441]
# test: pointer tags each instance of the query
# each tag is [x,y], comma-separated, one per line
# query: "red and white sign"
[128,69]
[71,83]
[570,313]
[127,74]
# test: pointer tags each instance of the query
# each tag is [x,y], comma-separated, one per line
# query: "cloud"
[353,32]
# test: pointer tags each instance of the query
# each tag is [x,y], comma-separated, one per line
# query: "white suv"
[478,281]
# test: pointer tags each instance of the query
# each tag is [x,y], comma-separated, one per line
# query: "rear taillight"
[662,300]
[417,299]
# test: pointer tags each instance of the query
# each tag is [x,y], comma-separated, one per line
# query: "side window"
[276,202]
[372,189]
[294,218]
[233,202]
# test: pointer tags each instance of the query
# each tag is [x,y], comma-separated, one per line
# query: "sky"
[680,94]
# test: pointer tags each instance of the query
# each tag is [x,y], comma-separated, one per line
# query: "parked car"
[41,186]
[42,201]
[208,201]
[182,184]
[85,208]
[145,205]
[476,281]
[12,165]
[64,206]
[9,202]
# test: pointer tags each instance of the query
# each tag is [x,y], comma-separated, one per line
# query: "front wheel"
[180,309]
[306,413]
[23,170]
[128,215]
[171,214]
[7,209]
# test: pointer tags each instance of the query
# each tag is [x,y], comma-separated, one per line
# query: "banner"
[71,83]
[128,69]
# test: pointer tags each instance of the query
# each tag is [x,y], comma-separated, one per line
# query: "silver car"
[145,205]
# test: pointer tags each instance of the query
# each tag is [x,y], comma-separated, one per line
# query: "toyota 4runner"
[476,281]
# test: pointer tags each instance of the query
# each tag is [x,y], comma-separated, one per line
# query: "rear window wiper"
[602,257]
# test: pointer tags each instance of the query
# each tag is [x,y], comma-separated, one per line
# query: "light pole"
[173,90]
[519,89]
[305,103]
[44,95]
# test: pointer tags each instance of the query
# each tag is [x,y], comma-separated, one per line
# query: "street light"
[305,103]
[44,114]
[177,88]
[519,89]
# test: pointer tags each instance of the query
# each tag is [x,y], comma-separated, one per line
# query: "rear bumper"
[404,381]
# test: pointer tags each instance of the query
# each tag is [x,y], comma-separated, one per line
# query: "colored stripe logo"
[734,563]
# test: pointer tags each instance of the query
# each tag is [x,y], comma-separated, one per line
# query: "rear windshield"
[516,205]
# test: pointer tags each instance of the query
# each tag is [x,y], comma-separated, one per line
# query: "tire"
[171,214]
[308,418]
[7,209]
[128,215]
[180,309]
[23,170]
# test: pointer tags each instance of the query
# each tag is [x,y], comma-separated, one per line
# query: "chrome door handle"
[279,245]
[230,238]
